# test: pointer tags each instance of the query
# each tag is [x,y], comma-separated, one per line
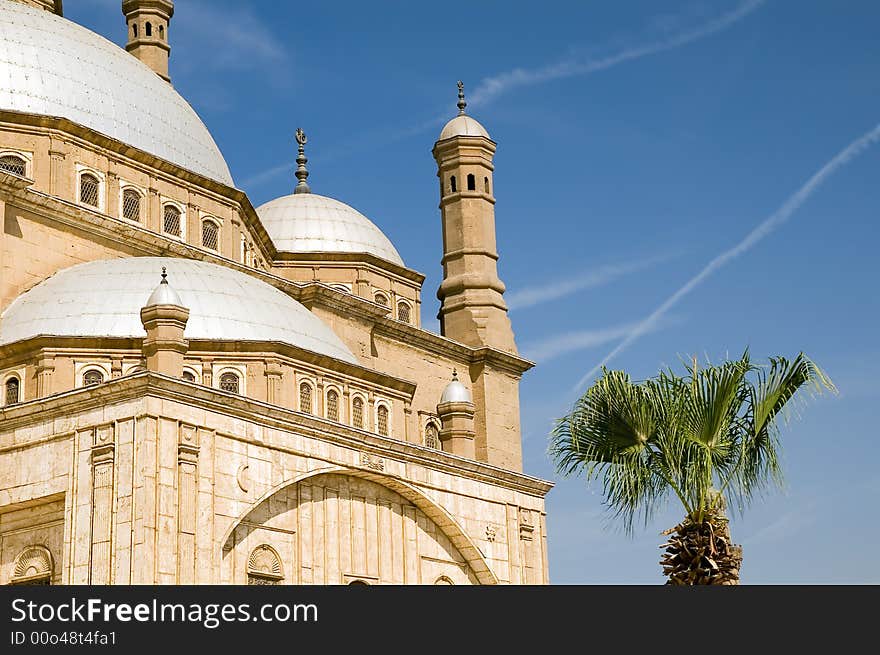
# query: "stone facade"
[131,460]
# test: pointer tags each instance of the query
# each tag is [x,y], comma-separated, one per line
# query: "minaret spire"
[461,101]
[302,173]
[148,39]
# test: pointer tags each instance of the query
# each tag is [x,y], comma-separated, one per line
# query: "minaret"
[472,308]
[164,318]
[456,411]
[148,32]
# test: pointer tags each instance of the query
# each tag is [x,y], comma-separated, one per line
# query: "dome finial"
[301,171]
[461,101]
[455,374]
[164,276]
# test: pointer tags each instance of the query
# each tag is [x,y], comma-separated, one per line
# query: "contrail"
[492,87]
[561,288]
[775,220]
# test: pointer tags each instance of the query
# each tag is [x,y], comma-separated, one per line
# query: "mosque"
[198,391]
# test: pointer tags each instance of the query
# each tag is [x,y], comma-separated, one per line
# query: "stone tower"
[472,308]
[147,22]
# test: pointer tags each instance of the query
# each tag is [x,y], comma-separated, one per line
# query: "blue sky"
[636,143]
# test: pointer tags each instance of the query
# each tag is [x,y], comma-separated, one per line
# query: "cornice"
[154,385]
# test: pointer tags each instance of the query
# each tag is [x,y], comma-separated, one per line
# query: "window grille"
[172,220]
[13,389]
[188,376]
[332,405]
[210,235]
[131,205]
[91,378]
[382,299]
[305,398]
[229,382]
[432,436]
[88,189]
[357,413]
[382,420]
[403,312]
[13,164]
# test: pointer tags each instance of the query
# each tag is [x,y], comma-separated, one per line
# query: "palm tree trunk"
[701,552]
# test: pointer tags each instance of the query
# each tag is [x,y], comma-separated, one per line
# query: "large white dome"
[307,222]
[104,298]
[53,67]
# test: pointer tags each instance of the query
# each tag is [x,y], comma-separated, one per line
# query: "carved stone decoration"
[373,462]
[242,478]
[33,566]
[526,526]
[491,532]
[264,566]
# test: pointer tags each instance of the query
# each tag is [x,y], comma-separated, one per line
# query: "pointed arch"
[443,519]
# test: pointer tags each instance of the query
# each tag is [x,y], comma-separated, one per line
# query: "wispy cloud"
[566,286]
[561,344]
[493,86]
[227,38]
[774,221]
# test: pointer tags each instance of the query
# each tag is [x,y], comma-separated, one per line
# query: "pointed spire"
[301,171]
[164,294]
[461,101]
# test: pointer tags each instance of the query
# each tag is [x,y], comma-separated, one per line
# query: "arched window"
[149,29]
[171,223]
[486,184]
[131,205]
[305,398]
[358,583]
[452,186]
[134,30]
[210,234]
[382,420]
[162,32]
[229,382]
[33,566]
[382,299]
[472,182]
[88,189]
[332,405]
[92,377]
[13,164]
[189,376]
[12,393]
[432,435]
[357,412]
[403,312]
[443,580]
[264,566]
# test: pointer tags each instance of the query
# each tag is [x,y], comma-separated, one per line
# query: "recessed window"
[432,436]
[134,30]
[382,420]
[210,235]
[471,182]
[452,186]
[88,189]
[229,382]
[486,184]
[403,312]
[92,377]
[171,222]
[189,376]
[382,299]
[357,412]
[333,405]
[13,164]
[162,32]
[12,392]
[305,398]
[131,205]
[149,29]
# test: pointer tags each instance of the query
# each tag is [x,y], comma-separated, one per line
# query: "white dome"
[53,67]
[307,222]
[463,125]
[455,392]
[104,298]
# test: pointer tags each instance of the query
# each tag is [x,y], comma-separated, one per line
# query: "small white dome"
[307,222]
[164,295]
[54,67]
[455,392]
[104,299]
[463,125]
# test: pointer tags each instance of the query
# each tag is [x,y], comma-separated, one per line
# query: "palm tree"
[711,438]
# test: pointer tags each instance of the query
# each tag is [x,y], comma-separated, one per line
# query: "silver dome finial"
[455,374]
[164,276]
[301,171]
[461,101]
